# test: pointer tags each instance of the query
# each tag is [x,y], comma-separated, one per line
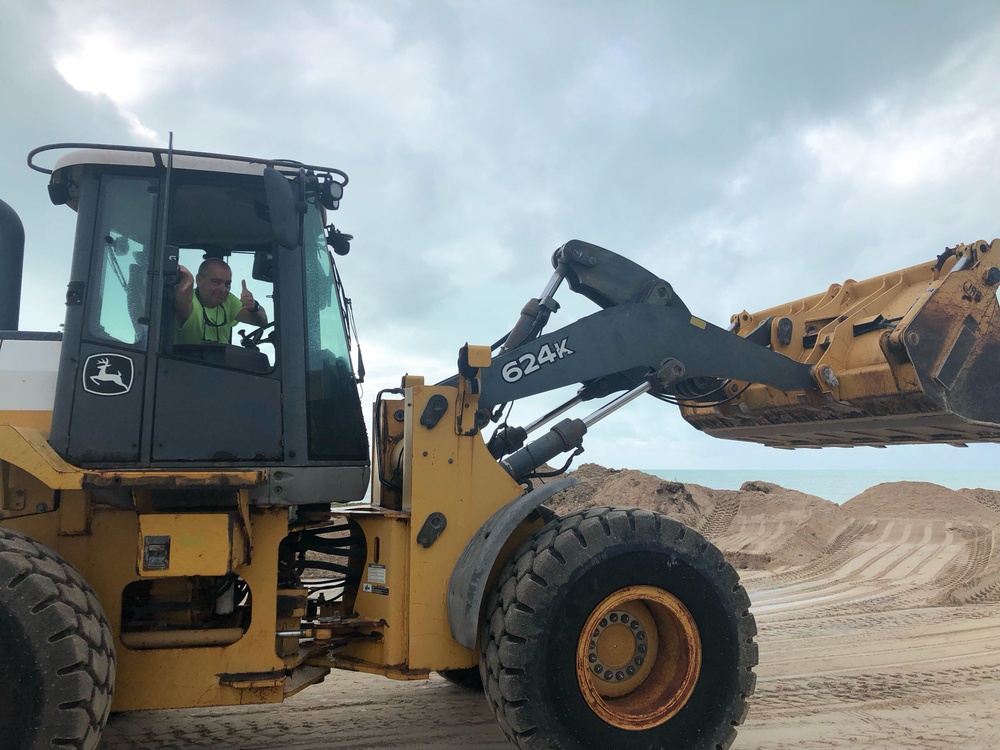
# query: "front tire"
[57,657]
[618,627]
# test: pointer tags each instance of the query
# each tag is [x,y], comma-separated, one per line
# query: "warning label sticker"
[374,588]
[376,573]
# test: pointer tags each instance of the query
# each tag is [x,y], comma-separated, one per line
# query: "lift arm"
[643,324]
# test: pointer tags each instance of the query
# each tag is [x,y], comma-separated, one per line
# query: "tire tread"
[66,616]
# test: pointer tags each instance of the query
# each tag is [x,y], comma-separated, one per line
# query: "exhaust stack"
[11,266]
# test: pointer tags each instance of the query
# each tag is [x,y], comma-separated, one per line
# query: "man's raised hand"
[185,281]
[246,297]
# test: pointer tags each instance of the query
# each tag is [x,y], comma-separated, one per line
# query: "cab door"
[220,402]
[97,418]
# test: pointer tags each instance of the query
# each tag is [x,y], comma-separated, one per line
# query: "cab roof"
[65,175]
[85,154]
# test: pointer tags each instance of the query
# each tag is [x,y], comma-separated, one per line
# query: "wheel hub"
[619,647]
[638,657]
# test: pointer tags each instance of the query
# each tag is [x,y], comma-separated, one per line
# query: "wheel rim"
[638,657]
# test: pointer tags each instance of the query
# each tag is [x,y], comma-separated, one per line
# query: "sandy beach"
[879,627]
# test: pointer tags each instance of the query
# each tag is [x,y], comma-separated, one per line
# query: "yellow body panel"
[443,472]
[32,419]
[382,598]
[29,449]
[198,544]
[175,677]
[455,475]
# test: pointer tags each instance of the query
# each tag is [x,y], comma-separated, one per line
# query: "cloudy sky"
[750,153]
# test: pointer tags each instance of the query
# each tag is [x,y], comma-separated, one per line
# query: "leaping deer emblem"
[103,376]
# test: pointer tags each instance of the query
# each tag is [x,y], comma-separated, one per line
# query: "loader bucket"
[911,356]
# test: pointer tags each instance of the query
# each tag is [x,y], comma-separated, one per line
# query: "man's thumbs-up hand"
[246,297]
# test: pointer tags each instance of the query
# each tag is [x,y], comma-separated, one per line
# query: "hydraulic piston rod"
[535,314]
[568,434]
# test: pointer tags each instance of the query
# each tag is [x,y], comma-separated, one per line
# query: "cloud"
[894,146]
[856,194]
[99,59]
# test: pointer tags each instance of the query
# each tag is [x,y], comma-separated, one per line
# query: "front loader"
[205,524]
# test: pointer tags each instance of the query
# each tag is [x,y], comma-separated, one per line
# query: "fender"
[467,584]
[29,450]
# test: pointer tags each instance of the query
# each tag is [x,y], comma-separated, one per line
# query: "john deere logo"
[107,374]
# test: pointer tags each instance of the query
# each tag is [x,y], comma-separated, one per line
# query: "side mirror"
[263,266]
[340,242]
[281,209]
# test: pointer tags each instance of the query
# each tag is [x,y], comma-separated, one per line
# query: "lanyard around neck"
[210,324]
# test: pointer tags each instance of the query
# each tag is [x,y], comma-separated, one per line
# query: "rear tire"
[57,657]
[618,627]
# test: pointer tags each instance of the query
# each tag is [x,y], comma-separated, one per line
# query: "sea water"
[834,485]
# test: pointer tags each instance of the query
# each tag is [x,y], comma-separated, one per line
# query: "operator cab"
[131,395]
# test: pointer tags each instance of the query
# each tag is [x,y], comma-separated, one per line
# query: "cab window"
[242,265]
[225,217]
[123,238]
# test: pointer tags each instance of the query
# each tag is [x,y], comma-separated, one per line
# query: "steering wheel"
[255,338]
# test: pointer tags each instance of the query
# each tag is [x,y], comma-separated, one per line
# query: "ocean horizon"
[830,484]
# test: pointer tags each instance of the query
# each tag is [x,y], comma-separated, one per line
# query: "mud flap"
[467,585]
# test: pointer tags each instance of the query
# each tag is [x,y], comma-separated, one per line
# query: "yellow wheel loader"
[187,523]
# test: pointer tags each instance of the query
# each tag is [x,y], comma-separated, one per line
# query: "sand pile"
[764,526]
[689,504]
[971,514]
[774,526]
[926,501]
